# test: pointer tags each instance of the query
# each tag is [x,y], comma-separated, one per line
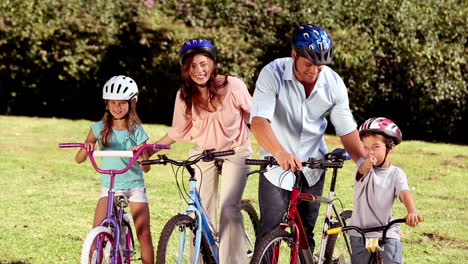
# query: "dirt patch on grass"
[428,153]
[449,198]
[431,178]
[440,240]
[453,162]
[14,262]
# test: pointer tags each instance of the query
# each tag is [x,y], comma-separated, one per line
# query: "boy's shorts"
[392,252]
[137,195]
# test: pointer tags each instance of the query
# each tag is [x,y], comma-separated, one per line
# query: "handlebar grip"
[223,153]
[113,153]
[255,162]
[151,162]
[334,231]
[159,146]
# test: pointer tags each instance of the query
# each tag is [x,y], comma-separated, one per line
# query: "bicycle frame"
[196,207]
[203,228]
[294,220]
[112,220]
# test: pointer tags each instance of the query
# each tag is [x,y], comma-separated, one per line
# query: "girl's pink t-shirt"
[224,129]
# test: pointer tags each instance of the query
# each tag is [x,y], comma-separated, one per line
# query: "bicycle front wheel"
[98,246]
[251,223]
[276,247]
[336,251]
[177,240]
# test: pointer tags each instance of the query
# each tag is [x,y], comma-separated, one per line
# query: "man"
[290,101]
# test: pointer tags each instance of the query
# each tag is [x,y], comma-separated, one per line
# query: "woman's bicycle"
[289,243]
[112,241]
[191,228]
[374,245]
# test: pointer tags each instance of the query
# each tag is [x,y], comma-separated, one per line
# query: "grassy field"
[48,201]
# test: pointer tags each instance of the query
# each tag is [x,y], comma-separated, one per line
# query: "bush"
[406,60]
[402,59]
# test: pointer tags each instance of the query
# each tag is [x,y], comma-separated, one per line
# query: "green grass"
[48,201]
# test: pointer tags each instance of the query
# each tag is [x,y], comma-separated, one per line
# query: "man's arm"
[353,145]
[266,137]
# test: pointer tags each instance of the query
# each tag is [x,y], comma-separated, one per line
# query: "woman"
[213,110]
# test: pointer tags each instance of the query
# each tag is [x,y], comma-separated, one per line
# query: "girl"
[120,129]
[213,110]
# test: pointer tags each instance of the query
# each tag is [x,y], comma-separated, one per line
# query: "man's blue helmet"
[195,46]
[313,43]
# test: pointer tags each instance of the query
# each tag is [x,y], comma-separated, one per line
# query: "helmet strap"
[388,145]
[203,85]
[383,161]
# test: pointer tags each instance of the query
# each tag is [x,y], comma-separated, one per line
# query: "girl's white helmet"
[120,87]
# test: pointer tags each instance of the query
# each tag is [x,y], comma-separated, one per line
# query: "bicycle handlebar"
[206,155]
[363,231]
[334,159]
[114,153]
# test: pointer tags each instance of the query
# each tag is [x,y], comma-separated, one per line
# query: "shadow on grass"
[14,262]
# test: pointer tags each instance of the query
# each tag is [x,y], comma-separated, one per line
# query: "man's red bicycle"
[289,243]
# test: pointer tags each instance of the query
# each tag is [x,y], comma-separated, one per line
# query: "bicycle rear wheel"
[336,251]
[276,247]
[98,246]
[177,240]
[251,223]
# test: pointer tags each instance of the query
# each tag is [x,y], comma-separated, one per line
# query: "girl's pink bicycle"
[112,241]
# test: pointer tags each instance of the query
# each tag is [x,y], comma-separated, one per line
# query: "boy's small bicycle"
[189,233]
[374,246]
[112,241]
[289,243]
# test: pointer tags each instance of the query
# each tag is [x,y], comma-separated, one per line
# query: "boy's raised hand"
[413,219]
[368,163]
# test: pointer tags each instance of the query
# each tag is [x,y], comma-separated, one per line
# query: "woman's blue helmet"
[313,43]
[195,46]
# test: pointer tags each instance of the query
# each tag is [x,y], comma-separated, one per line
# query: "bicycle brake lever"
[208,156]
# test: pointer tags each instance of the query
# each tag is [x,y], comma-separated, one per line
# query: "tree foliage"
[404,59]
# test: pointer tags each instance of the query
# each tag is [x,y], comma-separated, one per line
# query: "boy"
[377,185]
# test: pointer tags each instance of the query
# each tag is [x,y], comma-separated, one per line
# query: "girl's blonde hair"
[132,120]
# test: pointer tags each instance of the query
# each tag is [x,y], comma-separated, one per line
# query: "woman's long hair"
[188,88]
[132,120]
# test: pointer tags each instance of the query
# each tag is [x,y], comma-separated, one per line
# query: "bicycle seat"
[338,154]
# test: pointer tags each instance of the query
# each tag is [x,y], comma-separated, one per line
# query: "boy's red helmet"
[383,126]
